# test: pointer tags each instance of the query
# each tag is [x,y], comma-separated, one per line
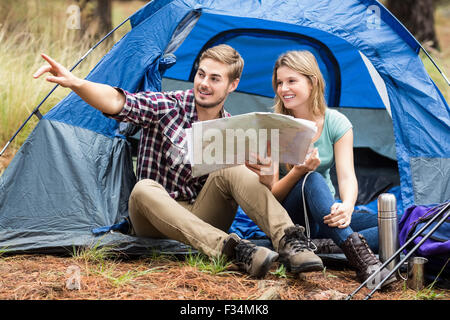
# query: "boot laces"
[244,252]
[324,245]
[365,252]
[298,241]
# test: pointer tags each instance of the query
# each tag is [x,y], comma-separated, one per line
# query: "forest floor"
[90,274]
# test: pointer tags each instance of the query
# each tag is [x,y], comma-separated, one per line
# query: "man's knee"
[235,172]
[145,188]
[235,176]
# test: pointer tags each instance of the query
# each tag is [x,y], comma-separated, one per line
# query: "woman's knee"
[314,178]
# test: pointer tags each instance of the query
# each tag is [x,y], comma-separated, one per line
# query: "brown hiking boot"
[326,246]
[229,244]
[364,261]
[295,251]
[253,259]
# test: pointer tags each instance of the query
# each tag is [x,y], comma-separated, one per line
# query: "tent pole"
[36,110]
[420,45]
[437,67]
[442,209]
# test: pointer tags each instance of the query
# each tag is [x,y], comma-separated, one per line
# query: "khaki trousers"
[204,223]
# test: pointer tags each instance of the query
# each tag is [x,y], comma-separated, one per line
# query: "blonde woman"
[299,87]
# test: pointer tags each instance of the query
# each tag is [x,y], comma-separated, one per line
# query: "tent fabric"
[356,85]
[74,172]
[63,181]
[245,228]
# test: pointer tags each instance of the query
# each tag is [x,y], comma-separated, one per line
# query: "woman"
[299,87]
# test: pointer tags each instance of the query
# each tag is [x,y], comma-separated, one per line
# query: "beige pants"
[204,224]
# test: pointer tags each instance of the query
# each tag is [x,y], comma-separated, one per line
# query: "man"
[168,202]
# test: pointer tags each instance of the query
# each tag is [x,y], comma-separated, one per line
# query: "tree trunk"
[96,18]
[104,13]
[418,17]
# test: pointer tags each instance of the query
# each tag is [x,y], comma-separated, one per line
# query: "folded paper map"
[226,142]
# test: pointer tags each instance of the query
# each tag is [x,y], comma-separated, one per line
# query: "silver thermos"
[387,229]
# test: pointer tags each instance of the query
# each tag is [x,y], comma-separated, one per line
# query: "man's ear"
[233,85]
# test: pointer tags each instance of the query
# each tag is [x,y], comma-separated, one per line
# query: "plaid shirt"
[163,117]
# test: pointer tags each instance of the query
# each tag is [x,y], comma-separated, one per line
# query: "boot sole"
[306,267]
[265,267]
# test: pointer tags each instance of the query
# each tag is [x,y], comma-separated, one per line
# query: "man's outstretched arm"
[101,96]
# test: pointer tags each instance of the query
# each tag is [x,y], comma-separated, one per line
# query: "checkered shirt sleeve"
[163,117]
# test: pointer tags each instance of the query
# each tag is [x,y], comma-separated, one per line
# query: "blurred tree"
[418,17]
[104,12]
[96,18]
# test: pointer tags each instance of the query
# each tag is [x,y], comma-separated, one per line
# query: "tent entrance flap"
[353,88]
[257,76]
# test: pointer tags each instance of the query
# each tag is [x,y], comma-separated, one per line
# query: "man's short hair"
[225,54]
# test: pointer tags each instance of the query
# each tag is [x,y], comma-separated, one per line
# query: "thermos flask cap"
[387,205]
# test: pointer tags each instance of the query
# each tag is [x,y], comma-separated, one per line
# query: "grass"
[28,28]
[442,58]
[118,279]
[326,274]
[94,254]
[280,272]
[3,251]
[44,277]
[215,266]
[429,293]
[104,261]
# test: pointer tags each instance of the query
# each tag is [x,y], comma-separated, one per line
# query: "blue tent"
[74,173]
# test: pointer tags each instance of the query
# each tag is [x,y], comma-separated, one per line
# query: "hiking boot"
[253,259]
[296,253]
[365,262]
[326,246]
[229,244]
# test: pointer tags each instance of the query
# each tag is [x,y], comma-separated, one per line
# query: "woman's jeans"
[319,200]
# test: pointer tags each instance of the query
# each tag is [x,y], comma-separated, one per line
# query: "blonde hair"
[304,63]
[225,54]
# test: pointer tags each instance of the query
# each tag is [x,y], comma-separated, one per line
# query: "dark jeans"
[319,200]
